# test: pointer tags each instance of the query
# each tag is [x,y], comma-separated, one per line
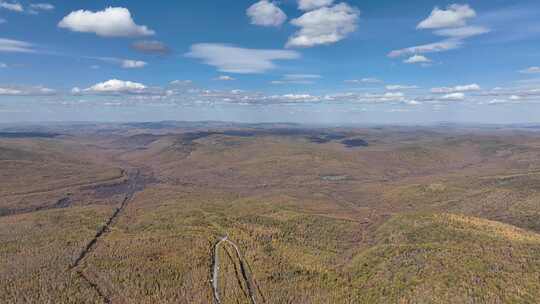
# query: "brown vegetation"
[414,216]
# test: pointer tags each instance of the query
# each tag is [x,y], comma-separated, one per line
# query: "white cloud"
[308,5]
[266,13]
[2,20]
[26,91]
[225,78]
[453,96]
[306,97]
[364,80]
[417,59]
[301,76]
[393,96]
[232,59]
[3,65]
[441,46]
[455,15]
[181,82]
[9,91]
[460,88]
[15,46]
[123,63]
[12,6]
[116,86]
[297,79]
[450,22]
[463,32]
[111,22]
[370,98]
[133,64]
[412,102]
[42,6]
[36,8]
[325,25]
[396,87]
[497,101]
[531,70]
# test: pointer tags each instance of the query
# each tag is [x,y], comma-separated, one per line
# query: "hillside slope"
[447,258]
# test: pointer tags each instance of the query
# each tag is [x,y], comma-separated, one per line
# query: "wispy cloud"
[459,88]
[12,6]
[123,63]
[367,80]
[450,22]
[26,91]
[232,59]
[16,46]
[297,79]
[531,70]
[442,46]
[394,87]
[224,78]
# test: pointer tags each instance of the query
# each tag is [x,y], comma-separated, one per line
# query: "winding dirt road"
[251,288]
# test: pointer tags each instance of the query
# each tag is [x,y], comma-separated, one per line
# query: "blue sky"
[291,60]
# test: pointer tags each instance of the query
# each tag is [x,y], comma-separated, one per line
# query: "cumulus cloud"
[266,13]
[133,64]
[308,5]
[441,46]
[417,59]
[151,47]
[325,25]
[111,22]
[12,6]
[454,15]
[531,70]
[115,86]
[232,59]
[15,46]
[460,88]
[76,91]
[225,78]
